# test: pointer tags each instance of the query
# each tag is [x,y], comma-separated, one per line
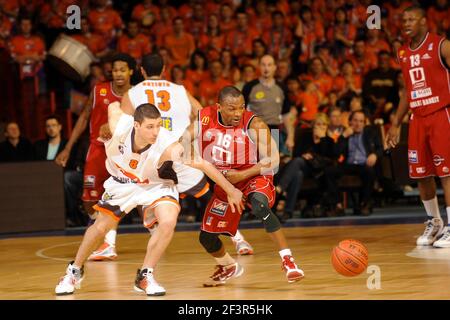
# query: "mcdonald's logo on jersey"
[205,120]
[103,92]
[133,163]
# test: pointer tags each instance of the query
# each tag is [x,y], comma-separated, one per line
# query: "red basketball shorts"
[429,145]
[95,173]
[219,218]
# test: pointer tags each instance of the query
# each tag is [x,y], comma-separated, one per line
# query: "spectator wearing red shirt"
[105,21]
[278,38]
[209,88]
[240,39]
[180,44]
[227,22]
[133,42]
[93,41]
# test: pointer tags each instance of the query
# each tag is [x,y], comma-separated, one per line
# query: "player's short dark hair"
[146,111]
[229,92]
[153,64]
[129,60]
[416,8]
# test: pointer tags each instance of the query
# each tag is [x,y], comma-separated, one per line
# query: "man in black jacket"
[15,148]
[48,148]
[360,148]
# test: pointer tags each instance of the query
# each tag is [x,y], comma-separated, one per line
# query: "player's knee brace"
[210,241]
[260,208]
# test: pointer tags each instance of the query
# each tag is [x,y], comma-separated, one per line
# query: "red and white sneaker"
[243,248]
[104,252]
[223,273]
[145,282]
[71,280]
[293,273]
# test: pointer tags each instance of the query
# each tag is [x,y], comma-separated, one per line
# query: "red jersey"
[427,79]
[103,96]
[226,147]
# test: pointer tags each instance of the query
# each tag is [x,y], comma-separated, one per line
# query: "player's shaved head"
[229,92]
[146,111]
[417,9]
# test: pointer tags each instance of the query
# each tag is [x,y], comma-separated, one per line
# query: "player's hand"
[236,200]
[290,143]
[105,133]
[393,136]
[234,176]
[371,160]
[307,156]
[62,157]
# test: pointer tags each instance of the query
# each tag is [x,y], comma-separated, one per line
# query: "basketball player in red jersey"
[95,113]
[425,64]
[233,140]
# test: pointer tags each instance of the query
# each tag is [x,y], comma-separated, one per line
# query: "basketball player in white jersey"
[178,109]
[137,158]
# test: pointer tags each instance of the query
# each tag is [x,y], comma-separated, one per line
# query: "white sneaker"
[223,273]
[145,282]
[104,252]
[444,240]
[432,231]
[243,248]
[71,281]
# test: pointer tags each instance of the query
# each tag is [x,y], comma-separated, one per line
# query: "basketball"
[349,258]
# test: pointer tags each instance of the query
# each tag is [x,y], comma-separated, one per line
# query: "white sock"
[285,252]
[225,260]
[110,237]
[432,208]
[448,215]
[238,236]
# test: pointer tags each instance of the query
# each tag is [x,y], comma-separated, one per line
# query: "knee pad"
[210,241]
[260,208]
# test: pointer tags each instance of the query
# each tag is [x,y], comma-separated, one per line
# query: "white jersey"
[127,166]
[171,99]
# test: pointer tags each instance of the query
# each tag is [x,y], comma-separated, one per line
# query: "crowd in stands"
[310,68]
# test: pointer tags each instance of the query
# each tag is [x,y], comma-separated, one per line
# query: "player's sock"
[285,252]
[238,237]
[110,237]
[432,208]
[225,260]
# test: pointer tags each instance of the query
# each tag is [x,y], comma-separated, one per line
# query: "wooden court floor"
[31,267]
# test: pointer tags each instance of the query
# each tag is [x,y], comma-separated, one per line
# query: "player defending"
[178,108]
[139,159]
[233,139]
[425,63]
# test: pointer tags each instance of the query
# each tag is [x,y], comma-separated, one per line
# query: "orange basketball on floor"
[350,258]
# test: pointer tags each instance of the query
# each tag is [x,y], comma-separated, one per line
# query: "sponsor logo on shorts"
[412,156]
[103,92]
[89,181]
[219,208]
[445,170]
[437,159]
[209,221]
[420,169]
[222,224]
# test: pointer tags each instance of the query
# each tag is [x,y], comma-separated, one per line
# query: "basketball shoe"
[293,273]
[243,248]
[223,273]
[432,231]
[71,281]
[444,240]
[104,252]
[145,282]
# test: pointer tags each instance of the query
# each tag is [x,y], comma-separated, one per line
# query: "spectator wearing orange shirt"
[438,17]
[5,30]
[341,33]
[318,76]
[362,60]
[161,28]
[185,10]
[10,8]
[143,11]
[227,22]
[231,70]
[179,43]
[209,88]
[105,21]
[53,16]
[213,40]
[330,63]
[239,41]
[248,73]
[177,75]
[259,50]
[347,81]
[309,101]
[260,16]
[165,55]
[197,23]
[134,43]
[198,71]
[93,41]
[374,44]
[278,38]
